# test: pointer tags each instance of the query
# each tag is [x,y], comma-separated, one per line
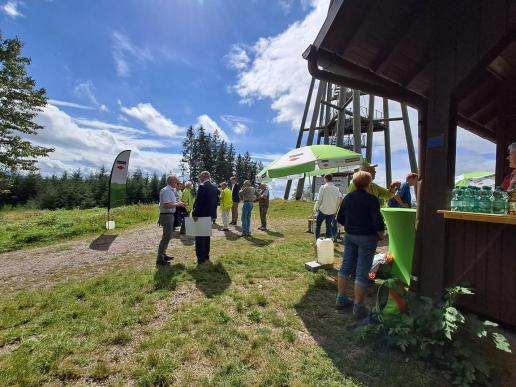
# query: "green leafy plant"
[442,334]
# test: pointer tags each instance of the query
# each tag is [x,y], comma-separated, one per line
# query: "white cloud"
[237,58]
[277,70]
[153,119]
[86,90]
[69,104]
[285,5]
[238,124]
[11,9]
[123,50]
[211,126]
[91,147]
[95,124]
[240,128]
[266,156]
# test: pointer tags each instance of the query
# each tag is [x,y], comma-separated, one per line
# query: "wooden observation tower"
[338,118]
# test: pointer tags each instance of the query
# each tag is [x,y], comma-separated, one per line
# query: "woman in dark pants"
[361,218]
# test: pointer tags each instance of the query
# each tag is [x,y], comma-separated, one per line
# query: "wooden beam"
[387,143]
[398,35]
[311,133]
[437,170]
[408,138]
[340,71]
[301,130]
[357,125]
[339,16]
[417,69]
[475,127]
[369,146]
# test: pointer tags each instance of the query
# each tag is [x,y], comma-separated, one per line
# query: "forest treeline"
[201,151]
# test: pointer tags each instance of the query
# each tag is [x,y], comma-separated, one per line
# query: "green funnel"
[401,226]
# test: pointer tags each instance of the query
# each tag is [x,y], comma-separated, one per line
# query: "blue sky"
[134,74]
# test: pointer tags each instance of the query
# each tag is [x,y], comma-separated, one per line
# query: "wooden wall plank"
[508,275]
[493,272]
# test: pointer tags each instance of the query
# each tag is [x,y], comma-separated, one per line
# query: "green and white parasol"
[313,160]
[477,179]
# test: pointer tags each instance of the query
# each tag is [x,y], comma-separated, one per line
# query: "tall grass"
[27,228]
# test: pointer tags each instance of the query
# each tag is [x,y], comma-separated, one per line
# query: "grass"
[255,317]
[27,228]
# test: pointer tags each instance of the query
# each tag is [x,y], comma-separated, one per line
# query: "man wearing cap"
[383,194]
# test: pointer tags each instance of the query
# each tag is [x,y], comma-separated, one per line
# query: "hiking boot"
[360,312]
[343,305]
[168,258]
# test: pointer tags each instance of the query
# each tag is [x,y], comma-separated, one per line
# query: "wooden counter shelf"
[476,217]
[480,252]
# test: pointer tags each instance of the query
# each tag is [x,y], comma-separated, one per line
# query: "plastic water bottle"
[499,201]
[456,200]
[467,201]
[476,199]
[484,200]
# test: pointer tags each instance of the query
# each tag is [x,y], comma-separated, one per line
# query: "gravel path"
[35,264]
[44,266]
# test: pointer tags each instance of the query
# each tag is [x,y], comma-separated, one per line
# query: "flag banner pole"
[117,193]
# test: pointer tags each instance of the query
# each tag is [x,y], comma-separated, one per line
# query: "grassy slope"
[27,228]
[255,318]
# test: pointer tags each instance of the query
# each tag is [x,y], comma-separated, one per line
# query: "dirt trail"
[18,267]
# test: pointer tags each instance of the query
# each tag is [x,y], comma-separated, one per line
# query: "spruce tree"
[204,150]
[154,188]
[231,160]
[20,101]
[239,168]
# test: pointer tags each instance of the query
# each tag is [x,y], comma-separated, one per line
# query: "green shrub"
[440,333]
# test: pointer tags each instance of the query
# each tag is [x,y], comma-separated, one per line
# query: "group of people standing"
[359,213]
[177,201]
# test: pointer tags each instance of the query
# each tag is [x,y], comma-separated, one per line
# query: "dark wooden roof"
[383,47]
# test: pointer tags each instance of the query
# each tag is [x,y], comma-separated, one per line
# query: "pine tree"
[190,154]
[19,104]
[239,168]
[204,150]
[231,160]
[100,184]
[220,164]
[154,189]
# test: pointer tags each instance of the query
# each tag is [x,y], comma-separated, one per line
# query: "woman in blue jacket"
[361,218]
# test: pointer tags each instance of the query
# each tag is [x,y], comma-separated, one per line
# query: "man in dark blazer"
[205,206]
[235,188]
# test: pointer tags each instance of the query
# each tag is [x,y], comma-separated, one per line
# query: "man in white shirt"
[168,203]
[327,206]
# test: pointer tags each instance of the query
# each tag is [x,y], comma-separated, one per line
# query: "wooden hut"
[455,62]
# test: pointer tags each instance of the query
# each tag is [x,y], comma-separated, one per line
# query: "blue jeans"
[358,257]
[330,225]
[246,217]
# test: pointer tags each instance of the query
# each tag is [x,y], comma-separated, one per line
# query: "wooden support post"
[327,114]
[437,169]
[357,125]
[301,131]
[387,141]
[408,137]
[311,133]
[341,120]
[370,126]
